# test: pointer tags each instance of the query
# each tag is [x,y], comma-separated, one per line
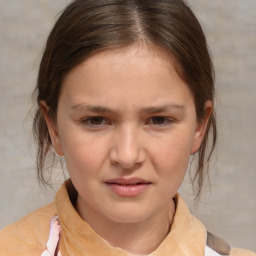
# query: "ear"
[52,128]
[201,127]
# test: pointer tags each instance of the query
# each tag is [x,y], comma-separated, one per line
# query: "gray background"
[228,208]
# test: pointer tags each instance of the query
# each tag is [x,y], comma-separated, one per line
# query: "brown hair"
[86,27]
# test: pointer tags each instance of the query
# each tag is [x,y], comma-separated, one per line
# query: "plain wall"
[228,208]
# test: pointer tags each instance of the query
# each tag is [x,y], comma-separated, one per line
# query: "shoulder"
[216,244]
[241,252]
[28,236]
[220,246]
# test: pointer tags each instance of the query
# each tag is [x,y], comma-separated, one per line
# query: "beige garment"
[28,236]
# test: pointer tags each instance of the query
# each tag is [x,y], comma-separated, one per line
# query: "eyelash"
[88,121]
[103,121]
[166,121]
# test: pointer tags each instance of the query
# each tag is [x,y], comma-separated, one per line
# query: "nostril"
[127,154]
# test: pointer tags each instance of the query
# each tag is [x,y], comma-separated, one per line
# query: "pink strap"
[53,240]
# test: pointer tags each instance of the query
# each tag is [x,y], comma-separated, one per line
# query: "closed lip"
[127,182]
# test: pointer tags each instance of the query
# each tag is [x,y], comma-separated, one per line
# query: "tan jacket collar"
[187,235]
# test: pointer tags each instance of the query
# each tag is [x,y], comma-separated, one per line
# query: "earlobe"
[202,127]
[53,131]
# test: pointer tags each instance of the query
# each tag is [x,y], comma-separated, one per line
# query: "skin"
[126,113]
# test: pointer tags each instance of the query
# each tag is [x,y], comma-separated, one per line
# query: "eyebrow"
[162,108]
[93,108]
[145,110]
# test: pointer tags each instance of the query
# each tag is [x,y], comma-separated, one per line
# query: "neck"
[136,238]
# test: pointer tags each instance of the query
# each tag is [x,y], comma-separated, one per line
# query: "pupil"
[96,121]
[158,120]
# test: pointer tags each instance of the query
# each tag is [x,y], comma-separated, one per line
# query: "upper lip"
[129,181]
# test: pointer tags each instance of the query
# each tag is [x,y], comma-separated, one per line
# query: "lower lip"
[128,190]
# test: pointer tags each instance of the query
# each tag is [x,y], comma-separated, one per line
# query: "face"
[126,125]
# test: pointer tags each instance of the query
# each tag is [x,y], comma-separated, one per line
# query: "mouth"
[128,187]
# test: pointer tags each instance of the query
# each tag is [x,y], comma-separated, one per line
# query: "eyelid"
[86,121]
[167,121]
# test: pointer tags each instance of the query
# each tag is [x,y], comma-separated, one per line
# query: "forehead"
[138,72]
[139,50]
[145,55]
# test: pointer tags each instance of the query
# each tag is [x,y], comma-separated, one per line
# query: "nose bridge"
[127,149]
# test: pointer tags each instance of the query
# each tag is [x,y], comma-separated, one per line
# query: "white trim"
[210,252]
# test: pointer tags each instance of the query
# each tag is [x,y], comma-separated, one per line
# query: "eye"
[95,121]
[159,121]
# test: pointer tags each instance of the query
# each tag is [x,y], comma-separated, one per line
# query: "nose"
[127,150]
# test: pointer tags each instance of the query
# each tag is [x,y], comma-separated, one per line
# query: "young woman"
[125,94]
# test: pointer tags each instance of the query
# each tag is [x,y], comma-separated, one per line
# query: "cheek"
[172,169]
[173,154]
[171,161]
[83,154]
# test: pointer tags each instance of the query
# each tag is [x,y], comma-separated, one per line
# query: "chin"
[128,214]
